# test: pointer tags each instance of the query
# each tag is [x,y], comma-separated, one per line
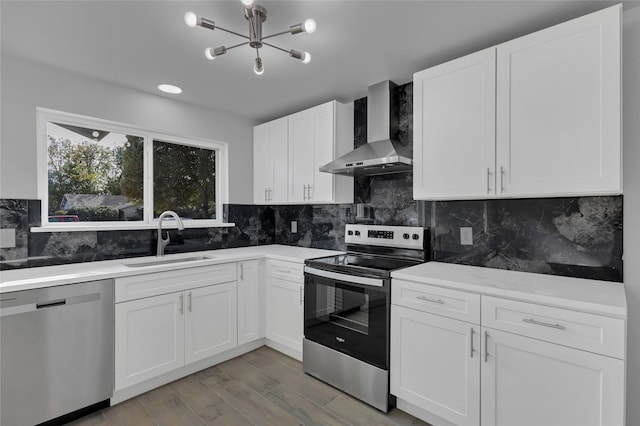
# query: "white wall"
[26,85]
[631,249]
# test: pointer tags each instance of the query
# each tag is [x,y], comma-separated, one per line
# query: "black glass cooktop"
[352,263]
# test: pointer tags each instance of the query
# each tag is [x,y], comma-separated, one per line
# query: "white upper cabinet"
[289,151]
[454,128]
[558,115]
[270,144]
[533,117]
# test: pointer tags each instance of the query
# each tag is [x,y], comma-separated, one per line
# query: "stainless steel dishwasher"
[56,352]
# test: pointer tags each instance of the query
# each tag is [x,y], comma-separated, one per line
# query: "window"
[106,175]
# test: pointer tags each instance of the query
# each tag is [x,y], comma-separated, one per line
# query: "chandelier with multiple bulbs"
[256,15]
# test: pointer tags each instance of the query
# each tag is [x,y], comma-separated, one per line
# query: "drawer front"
[153,284]
[285,270]
[590,332]
[436,300]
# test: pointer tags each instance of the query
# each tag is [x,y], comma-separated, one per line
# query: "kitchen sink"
[164,261]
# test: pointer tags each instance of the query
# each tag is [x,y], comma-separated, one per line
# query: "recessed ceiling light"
[169,88]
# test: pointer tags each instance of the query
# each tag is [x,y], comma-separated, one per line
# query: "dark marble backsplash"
[579,237]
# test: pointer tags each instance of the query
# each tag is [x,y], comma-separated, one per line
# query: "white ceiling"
[139,44]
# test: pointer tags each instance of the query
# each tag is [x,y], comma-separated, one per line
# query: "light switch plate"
[466,236]
[7,238]
[294,226]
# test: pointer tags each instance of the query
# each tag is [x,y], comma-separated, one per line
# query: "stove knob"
[405,236]
[349,232]
[357,233]
[416,236]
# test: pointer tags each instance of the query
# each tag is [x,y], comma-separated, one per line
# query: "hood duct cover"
[381,154]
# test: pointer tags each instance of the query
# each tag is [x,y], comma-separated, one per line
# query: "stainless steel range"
[347,305]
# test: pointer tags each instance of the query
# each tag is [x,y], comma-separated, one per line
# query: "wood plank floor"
[263,387]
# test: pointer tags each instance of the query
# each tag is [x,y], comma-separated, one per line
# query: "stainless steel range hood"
[381,154]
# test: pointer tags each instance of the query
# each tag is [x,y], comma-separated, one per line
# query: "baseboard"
[140,388]
[284,349]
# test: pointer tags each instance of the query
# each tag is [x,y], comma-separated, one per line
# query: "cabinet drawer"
[590,332]
[286,270]
[436,300]
[153,284]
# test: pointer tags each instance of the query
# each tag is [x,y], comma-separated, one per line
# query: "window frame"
[43,116]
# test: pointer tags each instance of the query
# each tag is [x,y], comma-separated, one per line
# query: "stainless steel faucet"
[162,242]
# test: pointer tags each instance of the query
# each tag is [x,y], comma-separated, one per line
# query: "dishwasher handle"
[16,307]
[51,303]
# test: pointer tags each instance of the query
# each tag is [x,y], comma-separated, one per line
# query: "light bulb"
[247,3]
[310,26]
[258,68]
[306,57]
[209,53]
[191,19]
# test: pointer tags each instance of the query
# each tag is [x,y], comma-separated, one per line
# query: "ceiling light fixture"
[256,15]
[169,88]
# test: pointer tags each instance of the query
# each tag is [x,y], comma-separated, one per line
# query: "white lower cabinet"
[149,338]
[529,382]
[158,334]
[250,302]
[210,321]
[435,364]
[536,365]
[284,307]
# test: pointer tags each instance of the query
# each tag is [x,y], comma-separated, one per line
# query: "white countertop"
[48,276]
[601,297]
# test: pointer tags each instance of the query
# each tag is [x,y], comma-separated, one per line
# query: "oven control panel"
[388,236]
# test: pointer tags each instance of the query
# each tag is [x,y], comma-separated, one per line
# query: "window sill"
[129,226]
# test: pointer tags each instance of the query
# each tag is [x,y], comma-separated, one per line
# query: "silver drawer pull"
[426,299]
[545,324]
[284,271]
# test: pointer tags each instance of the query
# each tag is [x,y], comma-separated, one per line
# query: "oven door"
[348,313]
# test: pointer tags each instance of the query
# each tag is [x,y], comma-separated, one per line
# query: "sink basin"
[165,261]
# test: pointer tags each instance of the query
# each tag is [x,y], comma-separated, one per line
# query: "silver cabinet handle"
[266,197]
[471,333]
[242,271]
[309,192]
[190,302]
[284,271]
[304,193]
[488,180]
[545,324]
[426,299]
[181,304]
[270,196]
[502,179]
[486,346]
[301,296]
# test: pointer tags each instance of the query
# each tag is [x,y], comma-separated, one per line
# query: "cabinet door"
[454,128]
[270,161]
[301,155]
[262,163]
[324,152]
[284,309]
[529,382]
[149,338]
[279,137]
[434,364]
[211,321]
[558,109]
[250,302]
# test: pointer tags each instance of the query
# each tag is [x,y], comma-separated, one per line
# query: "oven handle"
[376,282]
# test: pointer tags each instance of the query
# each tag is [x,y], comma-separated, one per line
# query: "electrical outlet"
[466,236]
[294,226]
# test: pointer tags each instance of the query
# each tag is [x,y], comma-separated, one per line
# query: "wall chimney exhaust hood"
[381,154]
